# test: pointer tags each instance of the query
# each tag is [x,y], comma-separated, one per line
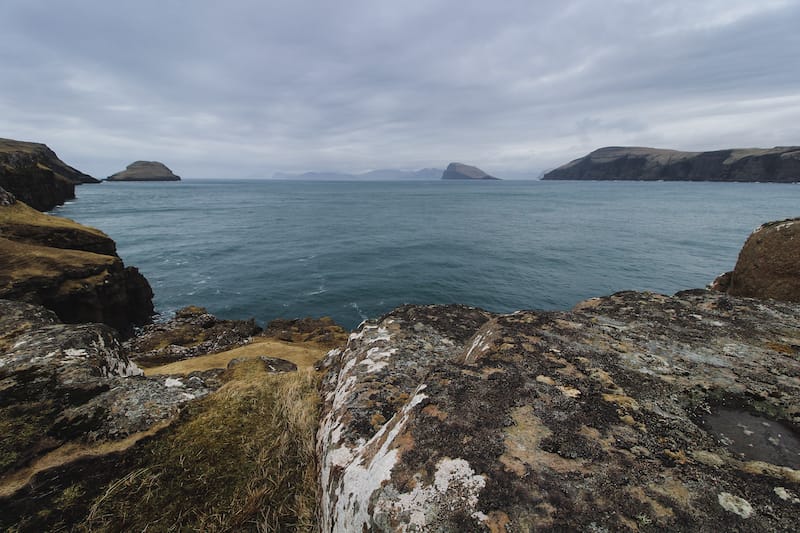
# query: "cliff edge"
[780,164]
[35,175]
[69,268]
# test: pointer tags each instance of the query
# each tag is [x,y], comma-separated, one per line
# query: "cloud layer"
[246,88]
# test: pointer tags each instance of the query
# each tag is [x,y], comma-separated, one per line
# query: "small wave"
[358,310]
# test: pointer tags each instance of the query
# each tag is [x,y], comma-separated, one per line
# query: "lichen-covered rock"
[635,411]
[769,263]
[192,332]
[64,383]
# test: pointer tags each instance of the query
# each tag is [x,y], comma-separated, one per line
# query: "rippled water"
[268,249]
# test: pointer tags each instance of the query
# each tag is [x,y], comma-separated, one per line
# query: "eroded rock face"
[36,176]
[599,419]
[769,263]
[69,268]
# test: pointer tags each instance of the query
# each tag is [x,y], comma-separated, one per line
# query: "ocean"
[355,250]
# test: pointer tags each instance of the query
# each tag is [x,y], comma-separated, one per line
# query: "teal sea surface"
[353,250]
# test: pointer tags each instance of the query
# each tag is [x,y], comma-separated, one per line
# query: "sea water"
[352,250]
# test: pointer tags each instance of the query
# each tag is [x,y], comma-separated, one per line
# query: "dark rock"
[191,333]
[779,164]
[145,171]
[323,331]
[6,198]
[460,171]
[36,176]
[451,419]
[271,364]
[769,263]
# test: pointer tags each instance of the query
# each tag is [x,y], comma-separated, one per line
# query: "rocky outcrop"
[636,411]
[36,176]
[144,171]
[192,332]
[780,164]
[69,268]
[323,331]
[71,383]
[460,171]
[768,265]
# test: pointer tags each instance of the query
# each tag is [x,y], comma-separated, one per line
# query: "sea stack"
[145,171]
[460,171]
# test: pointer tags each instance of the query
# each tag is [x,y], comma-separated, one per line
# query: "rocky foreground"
[780,164]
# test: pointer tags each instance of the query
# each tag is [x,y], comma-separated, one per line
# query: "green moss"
[21,429]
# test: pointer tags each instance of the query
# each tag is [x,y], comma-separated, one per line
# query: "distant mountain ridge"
[780,164]
[384,174]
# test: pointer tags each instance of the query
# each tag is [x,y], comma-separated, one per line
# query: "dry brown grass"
[21,214]
[242,459]
[303,355]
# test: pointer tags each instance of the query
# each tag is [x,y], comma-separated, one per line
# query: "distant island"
[145,171]
[383,174]
[780,164]
[460,171]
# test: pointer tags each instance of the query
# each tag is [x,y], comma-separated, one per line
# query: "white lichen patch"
[75,352]
[455,488]
[172,382]
[786,495]
[479,346]
[382,335]
[734,504]
[346,506]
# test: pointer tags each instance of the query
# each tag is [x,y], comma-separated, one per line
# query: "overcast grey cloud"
[245,88]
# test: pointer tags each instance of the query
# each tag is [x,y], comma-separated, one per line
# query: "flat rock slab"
[606,418]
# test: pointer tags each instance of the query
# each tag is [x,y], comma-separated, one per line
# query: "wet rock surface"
[190,333]
[769,263]
[601,419]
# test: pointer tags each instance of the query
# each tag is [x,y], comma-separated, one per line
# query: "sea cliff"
[780,164]
[35,175]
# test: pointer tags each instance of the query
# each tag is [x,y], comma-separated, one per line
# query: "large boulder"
[144,171]
[36,176]
[632,412]
[768,264]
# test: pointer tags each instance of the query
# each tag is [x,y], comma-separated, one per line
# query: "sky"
[246,88]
